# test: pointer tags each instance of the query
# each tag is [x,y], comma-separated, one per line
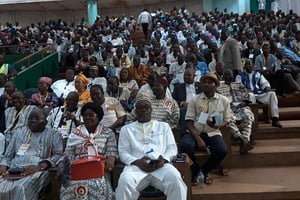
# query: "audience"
[184,49]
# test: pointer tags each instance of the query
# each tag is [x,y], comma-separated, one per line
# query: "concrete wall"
[235,6]
[27,17]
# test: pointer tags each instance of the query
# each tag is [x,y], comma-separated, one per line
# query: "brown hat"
[211,76]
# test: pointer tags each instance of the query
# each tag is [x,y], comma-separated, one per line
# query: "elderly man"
[146,147]
[206,114]
[32,150]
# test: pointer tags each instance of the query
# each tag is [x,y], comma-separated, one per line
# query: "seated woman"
[45,99]
[126,82]
[104,143]
[131,85]
[33,150]
[81,83]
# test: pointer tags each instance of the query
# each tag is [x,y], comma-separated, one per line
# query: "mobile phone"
[153,161]
[16,170]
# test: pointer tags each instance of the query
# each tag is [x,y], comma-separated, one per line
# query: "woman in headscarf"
[45,99]
[81,83]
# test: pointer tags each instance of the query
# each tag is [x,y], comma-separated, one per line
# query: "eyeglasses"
[89,115]
[147,107]
[35,119]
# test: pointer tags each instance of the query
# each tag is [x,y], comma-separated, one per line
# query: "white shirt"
[150,139]
[62,87]
[146,89]
[144,17]
[190,91]
[98,81]
[112,110]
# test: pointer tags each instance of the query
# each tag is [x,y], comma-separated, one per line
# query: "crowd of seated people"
[180,70]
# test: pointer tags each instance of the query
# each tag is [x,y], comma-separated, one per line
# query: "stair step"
[291,129]
[290,100]
[266,153]
[253,183]
[285,113]
[273,152]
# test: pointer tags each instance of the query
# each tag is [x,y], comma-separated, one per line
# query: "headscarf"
[46,80]
[83,78]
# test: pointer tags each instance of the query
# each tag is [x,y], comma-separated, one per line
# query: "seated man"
[62,87]
[114,114]
[65,118]
[206,114]
[184,92]
[16,117]
[33,150]
[238,95]
[146,147]
[260,90]
[147,88]
[115,91]
[163,109]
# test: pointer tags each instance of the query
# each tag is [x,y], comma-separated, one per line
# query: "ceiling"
[74,4]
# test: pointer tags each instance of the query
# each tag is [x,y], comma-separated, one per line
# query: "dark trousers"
[218,150]
[277,81]
[145,30]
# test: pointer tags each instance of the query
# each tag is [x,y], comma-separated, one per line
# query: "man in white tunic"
[140,142]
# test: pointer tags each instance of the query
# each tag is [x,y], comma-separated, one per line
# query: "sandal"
[195,182]
[208,180]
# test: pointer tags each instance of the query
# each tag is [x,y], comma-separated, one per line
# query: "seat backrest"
[30,91]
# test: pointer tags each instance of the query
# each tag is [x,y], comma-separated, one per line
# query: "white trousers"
[269,98]
[167,179]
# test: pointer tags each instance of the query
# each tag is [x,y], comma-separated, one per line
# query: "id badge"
[203,118]
[251,56]
[23,149]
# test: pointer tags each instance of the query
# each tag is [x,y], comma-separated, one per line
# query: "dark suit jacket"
[179,93]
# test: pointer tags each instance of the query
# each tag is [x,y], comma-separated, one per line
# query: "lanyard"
[145,133]
[17,116]
[28,138]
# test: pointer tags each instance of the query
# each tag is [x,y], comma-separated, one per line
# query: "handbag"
[89,167]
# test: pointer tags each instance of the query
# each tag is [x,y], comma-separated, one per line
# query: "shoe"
[245,148]
[276,124]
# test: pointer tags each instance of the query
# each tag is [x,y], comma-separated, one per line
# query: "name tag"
[23,149]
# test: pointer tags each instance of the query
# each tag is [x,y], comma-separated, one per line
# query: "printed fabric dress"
[90,189]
